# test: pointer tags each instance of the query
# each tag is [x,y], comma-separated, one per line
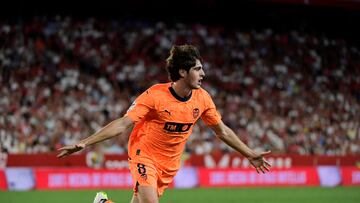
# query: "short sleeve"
[210,116]
[141,106]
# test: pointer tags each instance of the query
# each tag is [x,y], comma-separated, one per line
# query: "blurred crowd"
[62,79]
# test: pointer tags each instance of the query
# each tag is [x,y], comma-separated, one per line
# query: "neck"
[181,89]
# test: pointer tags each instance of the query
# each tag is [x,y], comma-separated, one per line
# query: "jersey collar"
[182,99]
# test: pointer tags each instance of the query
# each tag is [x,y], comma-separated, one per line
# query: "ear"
[182,73]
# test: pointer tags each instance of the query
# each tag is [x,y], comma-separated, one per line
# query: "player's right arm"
[121,126]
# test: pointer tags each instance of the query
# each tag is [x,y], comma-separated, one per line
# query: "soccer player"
[160,121]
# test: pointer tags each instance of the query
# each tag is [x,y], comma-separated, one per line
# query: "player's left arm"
[229,137]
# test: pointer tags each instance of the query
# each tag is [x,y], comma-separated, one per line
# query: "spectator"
[62,79]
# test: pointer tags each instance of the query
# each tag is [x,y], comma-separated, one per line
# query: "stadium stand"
[63,78]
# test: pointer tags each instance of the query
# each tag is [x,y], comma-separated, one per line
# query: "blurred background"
[285,75]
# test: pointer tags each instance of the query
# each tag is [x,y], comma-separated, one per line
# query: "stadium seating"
[63,78]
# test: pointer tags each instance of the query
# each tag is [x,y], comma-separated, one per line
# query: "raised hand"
[259,162]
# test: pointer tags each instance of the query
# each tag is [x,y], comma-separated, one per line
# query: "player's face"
[195,75]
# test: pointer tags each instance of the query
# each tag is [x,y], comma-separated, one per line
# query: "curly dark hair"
[181,57]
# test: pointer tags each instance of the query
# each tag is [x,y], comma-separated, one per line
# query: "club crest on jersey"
[196,112]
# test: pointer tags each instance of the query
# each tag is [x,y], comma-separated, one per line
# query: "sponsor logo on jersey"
[177,127]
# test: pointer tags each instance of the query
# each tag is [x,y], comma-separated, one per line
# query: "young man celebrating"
[160,121]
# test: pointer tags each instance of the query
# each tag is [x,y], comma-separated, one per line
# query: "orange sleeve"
[141,106]
[210,116]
